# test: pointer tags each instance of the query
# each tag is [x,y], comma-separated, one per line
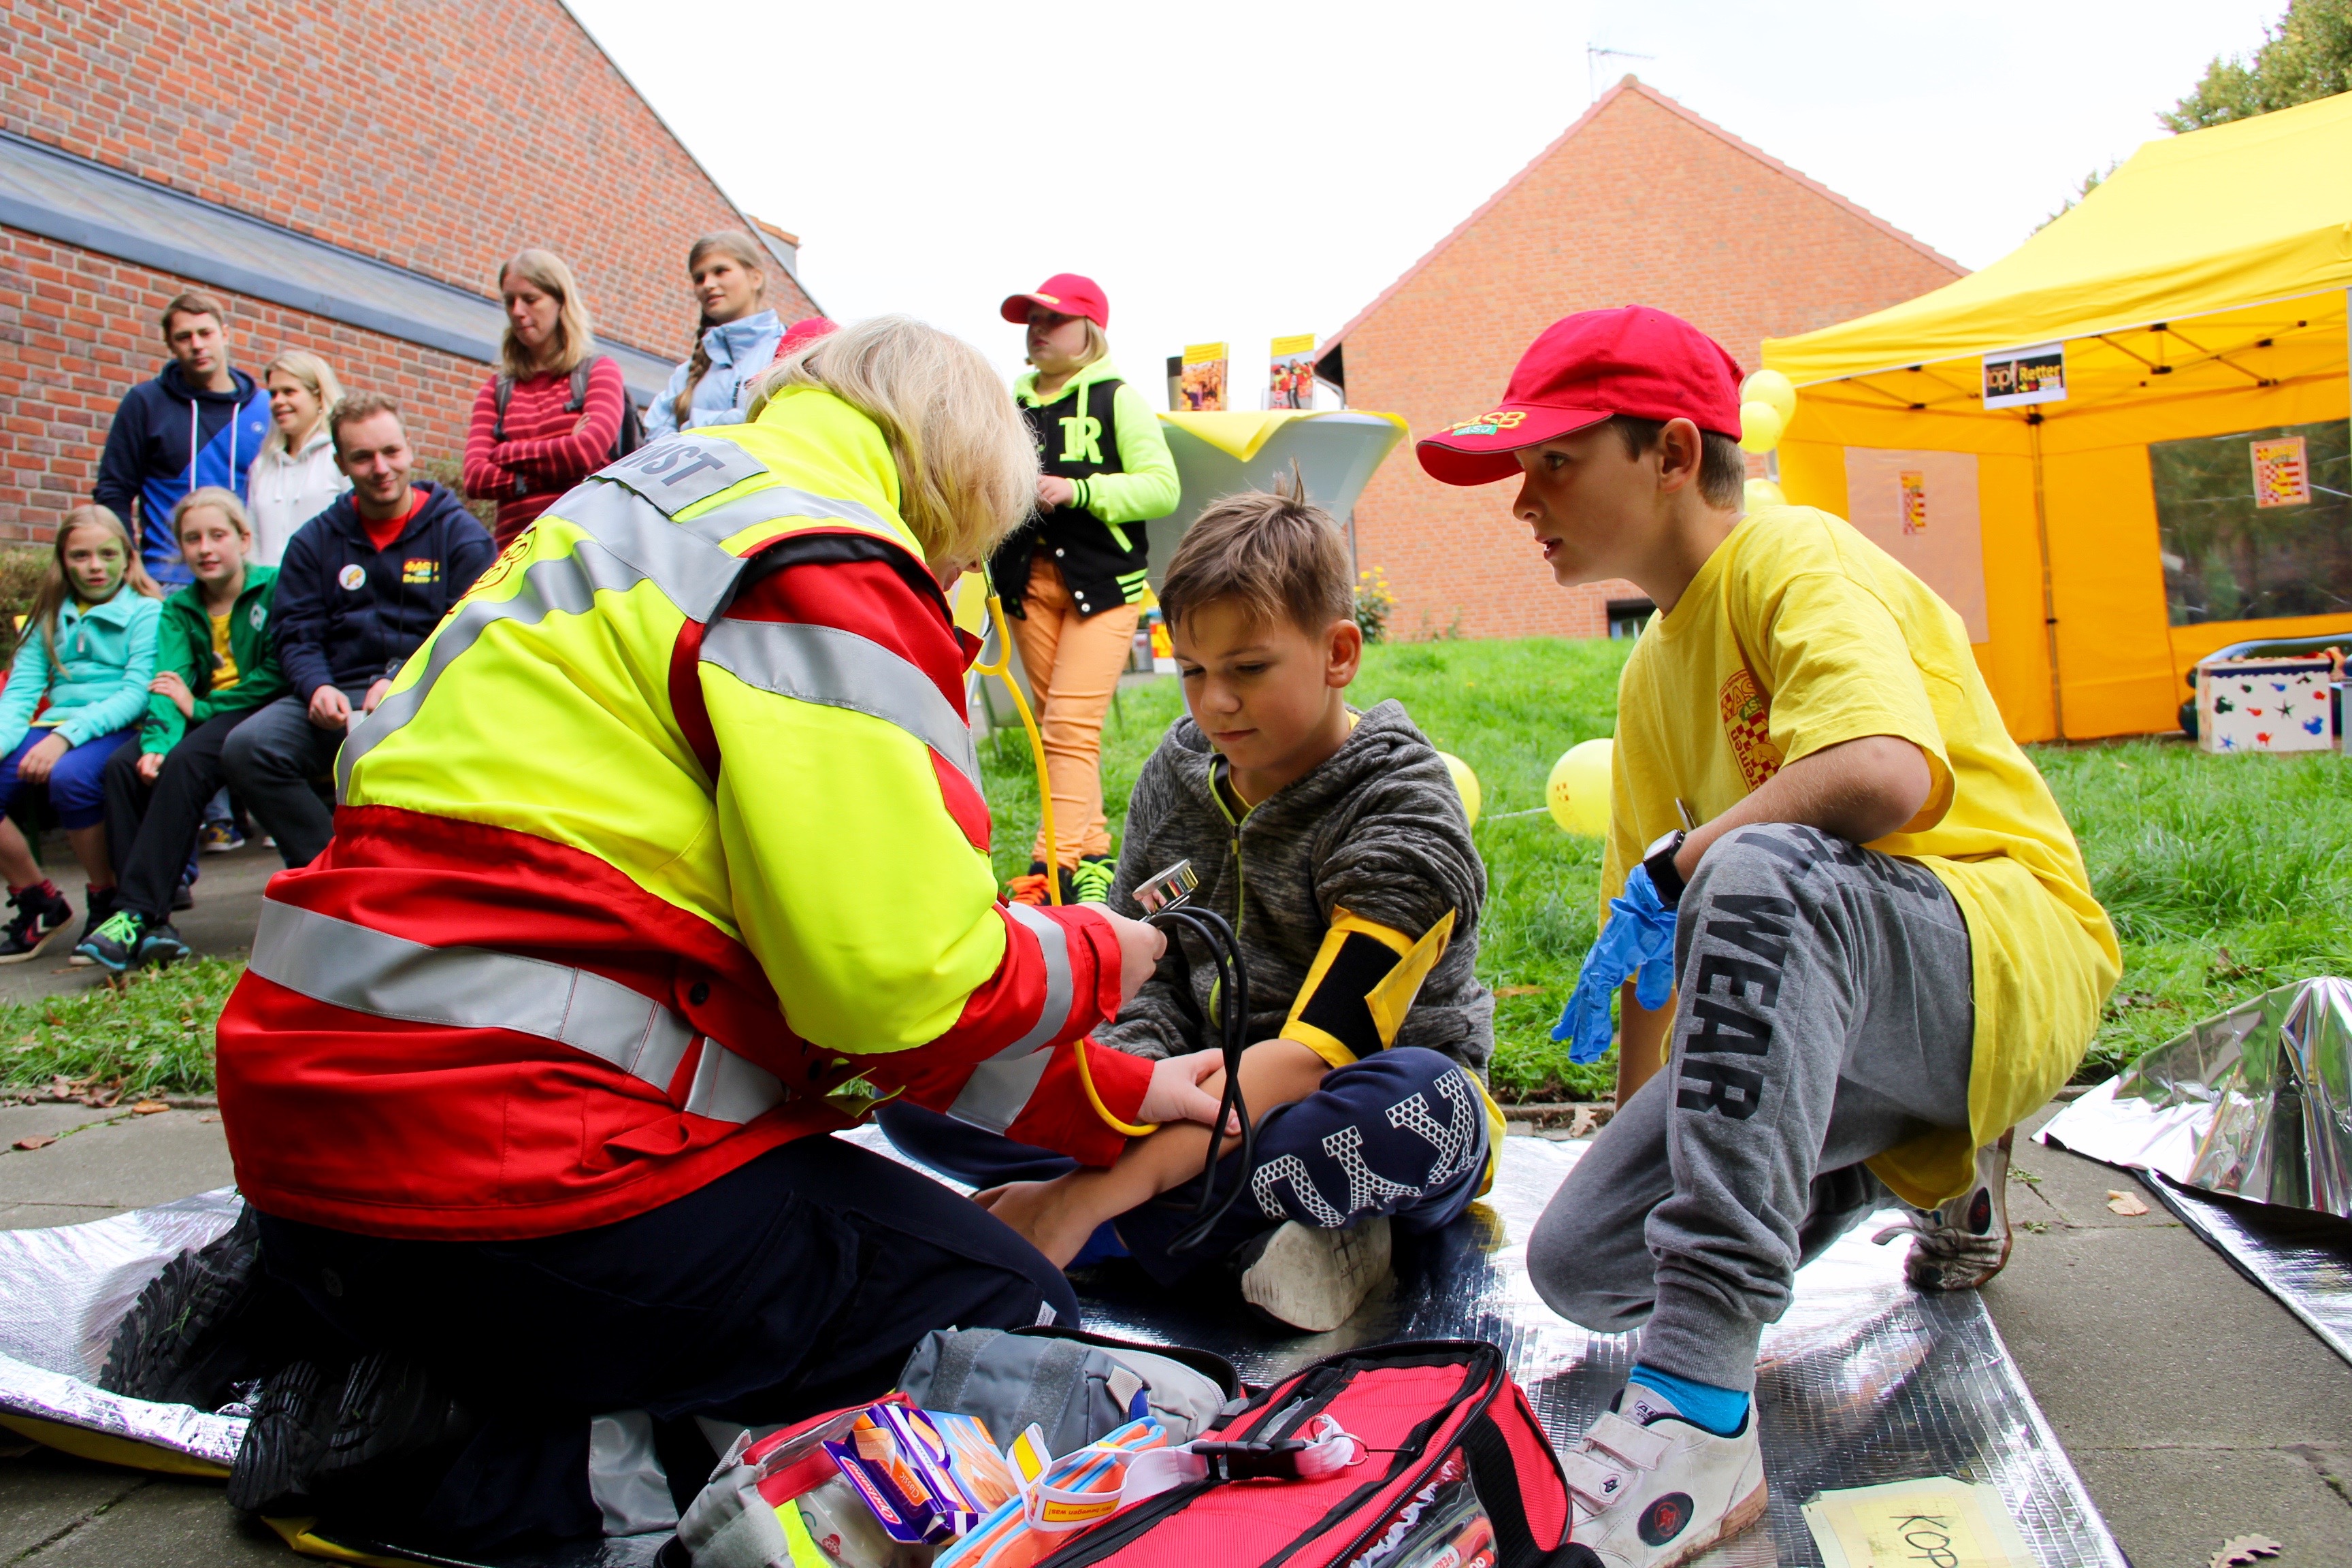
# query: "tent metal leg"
[2049,597]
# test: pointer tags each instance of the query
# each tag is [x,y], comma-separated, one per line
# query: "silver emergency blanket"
[1864,1381]
[2301,1258]
[2256,1103]
[62,1291]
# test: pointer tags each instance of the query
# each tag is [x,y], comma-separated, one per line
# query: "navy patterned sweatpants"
[1403,1134]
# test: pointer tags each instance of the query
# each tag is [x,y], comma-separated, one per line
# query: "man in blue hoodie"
[198,423]
[359,589]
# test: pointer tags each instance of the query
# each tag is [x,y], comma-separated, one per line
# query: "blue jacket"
[106,656]
[168,438]
[347,613]
[739,351]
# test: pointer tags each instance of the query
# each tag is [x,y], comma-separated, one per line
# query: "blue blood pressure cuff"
[1362,986]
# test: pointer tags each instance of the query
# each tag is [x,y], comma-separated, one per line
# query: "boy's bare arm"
[1057,1216]
[1860,790]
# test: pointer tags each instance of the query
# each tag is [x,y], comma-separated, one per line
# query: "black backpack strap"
[580,383]
[1497,1479]
[505,385]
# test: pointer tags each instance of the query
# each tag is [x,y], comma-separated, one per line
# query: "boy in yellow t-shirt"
[1873,921]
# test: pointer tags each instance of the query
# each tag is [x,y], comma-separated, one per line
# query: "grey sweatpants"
[1824,1013]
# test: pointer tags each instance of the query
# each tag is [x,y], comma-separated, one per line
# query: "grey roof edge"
[791,267]
[646,372]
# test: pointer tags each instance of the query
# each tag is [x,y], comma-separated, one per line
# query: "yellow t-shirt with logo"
[224,670]
[1798,634]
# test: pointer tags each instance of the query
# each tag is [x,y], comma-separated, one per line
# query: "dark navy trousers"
[793,1285]
[1403,1134]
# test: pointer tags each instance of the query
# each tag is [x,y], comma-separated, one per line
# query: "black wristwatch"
[1660,863]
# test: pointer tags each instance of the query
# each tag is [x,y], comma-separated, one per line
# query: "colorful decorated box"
[2263,705]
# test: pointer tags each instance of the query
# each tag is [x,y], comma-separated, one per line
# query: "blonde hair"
[50,596]
[314,373]
[213,496]
[574,338]
[1098,345]
[967,467]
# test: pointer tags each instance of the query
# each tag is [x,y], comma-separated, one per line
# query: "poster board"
[1201,385]
[1290,372]
[1921,508]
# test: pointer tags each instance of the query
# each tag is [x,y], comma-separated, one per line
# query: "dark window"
[1628,616]
[2229,557]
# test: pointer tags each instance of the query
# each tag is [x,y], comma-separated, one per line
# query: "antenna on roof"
[1593,55]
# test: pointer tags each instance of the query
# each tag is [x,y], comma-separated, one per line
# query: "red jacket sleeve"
[555,462]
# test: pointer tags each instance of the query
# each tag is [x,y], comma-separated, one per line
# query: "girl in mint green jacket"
[77,690]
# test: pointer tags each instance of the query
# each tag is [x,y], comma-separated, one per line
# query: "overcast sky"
[1234,171]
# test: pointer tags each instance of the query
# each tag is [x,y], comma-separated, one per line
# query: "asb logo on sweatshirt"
[420,569]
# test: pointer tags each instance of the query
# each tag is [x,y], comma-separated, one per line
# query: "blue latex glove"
[1638,942]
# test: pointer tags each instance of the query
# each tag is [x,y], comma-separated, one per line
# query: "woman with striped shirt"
[557,427]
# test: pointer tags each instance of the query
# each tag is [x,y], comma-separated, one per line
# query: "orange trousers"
[1072,667]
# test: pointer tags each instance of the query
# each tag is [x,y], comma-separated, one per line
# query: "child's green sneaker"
[114,945]
[1091,881]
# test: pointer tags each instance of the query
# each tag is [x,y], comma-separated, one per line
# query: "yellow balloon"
[1764,492]
[1770,387]
[1464,781]
[1577,790]
[1760,426]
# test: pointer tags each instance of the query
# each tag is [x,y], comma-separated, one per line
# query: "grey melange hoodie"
[1377,830]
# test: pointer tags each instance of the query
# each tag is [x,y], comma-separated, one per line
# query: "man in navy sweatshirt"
[198,423]
[360,588]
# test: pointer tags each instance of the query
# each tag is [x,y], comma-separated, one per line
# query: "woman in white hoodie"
[294,478]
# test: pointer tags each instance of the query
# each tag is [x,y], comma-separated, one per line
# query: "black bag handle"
[1496,1477]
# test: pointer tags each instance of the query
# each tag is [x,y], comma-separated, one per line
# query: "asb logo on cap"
[1493,424]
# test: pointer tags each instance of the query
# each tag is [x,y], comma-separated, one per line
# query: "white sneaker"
[1648,1490]
[1963,1243]
[1313,1279]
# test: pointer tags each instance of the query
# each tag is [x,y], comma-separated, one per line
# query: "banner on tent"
[1921,509]
[2016,377]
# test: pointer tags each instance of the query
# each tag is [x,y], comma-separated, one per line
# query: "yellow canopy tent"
[2184,486]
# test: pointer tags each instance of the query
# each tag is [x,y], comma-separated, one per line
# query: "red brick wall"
[77,329]
[1643,204]
[440,135]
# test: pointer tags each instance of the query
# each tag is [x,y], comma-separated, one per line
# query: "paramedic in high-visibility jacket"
[664,859]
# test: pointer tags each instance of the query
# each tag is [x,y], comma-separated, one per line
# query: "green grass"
[2225,876]
[153,1035]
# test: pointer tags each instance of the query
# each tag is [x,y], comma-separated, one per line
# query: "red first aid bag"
[1450,1470]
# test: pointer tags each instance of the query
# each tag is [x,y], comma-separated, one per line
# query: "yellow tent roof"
[2240,214]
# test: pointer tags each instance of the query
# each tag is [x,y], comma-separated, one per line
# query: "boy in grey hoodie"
[1335,844]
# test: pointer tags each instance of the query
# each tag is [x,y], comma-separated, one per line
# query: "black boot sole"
[282,1445]
[391,1410]
[170,1346]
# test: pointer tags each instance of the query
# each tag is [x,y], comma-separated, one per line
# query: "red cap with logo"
[1065,293]
[803,333]
[1585,368]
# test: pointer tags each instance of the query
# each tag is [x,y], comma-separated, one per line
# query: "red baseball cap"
[1586,368]
[1065,293]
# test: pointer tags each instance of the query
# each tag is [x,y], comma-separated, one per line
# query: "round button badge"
[353,577]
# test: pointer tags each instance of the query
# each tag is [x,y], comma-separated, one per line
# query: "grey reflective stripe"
[992,1097]
[625,1475]
[345,964]
[566,584]
[694,573]
[721,523]
[1000,1086]
[842,670]
[680,469]
[1054,942]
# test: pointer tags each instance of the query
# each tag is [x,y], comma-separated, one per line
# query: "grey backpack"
[1076,1387]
